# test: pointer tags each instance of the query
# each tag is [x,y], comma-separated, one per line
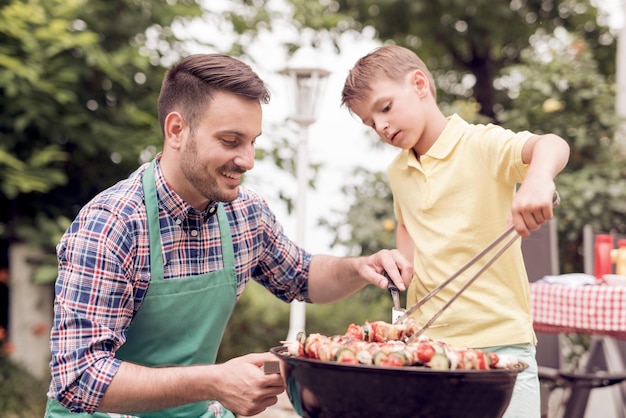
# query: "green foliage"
[594,195]
[45,233]
[78,90]
[459,38]
[560,90]
[279,148]
[597,197]
[369,224]
[259,321]
[34,175]
[369,304]
[22,395]
[574,348]
[79,81]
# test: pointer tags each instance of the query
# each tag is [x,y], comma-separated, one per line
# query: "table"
[598,310]
[589,309]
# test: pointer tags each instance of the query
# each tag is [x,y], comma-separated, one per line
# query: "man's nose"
[245,158]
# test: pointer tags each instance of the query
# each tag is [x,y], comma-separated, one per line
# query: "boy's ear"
[420,81]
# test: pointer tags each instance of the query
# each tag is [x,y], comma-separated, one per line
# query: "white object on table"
[614,280]
[571,279]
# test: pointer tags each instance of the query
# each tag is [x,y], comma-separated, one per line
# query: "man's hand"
[244,388]
[239,384]
[398,268]
[334,278]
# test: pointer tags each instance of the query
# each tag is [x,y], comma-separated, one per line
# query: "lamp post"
[306,85]
[620,102]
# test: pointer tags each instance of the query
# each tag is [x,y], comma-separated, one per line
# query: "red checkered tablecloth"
[590,309]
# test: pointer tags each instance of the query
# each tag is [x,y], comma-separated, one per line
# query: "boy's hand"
[533,206]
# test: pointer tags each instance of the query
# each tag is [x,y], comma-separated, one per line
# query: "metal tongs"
[507,233]
[396,310]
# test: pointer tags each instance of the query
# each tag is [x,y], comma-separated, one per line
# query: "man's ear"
[173,128]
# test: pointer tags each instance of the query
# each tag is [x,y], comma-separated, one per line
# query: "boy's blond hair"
[391,62]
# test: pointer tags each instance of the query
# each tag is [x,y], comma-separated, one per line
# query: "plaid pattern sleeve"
[104,273]
[264,253]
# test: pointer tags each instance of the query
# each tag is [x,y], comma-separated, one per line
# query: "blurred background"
[79,82]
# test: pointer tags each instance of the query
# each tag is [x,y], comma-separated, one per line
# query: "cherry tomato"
[425,352]
[482,364]
[494,359]
[374,336]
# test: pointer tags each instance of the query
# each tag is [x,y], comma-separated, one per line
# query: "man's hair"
[391,62]
[189,85]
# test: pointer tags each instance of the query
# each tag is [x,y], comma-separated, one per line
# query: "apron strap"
[228,252]
[154,227]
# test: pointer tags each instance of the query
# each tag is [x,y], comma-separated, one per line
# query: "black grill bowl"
[319,389]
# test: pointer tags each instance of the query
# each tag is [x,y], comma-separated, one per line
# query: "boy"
[454,188]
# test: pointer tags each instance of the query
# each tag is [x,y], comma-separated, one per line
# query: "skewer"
[490,261]
[470,281]
[437,326]
[467,265]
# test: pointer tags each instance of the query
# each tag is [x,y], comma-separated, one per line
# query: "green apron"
[181,321]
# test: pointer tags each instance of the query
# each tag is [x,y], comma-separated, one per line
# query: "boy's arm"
[404,243]
[547,155]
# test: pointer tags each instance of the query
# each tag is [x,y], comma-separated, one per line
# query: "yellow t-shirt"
[454,201]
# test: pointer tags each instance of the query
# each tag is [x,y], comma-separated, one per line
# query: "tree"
[560,90]
[466,45]
[470,48]
[78,86]
[476,52]
[78,92]
[369,224]
[557,89]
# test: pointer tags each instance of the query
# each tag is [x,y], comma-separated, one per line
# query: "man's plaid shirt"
[104,272]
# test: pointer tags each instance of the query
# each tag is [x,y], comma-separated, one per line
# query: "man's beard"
[196,174]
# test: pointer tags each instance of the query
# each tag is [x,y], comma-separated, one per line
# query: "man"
[151,268]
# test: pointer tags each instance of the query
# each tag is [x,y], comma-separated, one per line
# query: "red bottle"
[602,261]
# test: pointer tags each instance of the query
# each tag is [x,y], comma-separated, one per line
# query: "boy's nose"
[382,127]
[386,132]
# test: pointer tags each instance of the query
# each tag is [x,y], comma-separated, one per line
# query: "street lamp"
[306,85]
[620,102]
